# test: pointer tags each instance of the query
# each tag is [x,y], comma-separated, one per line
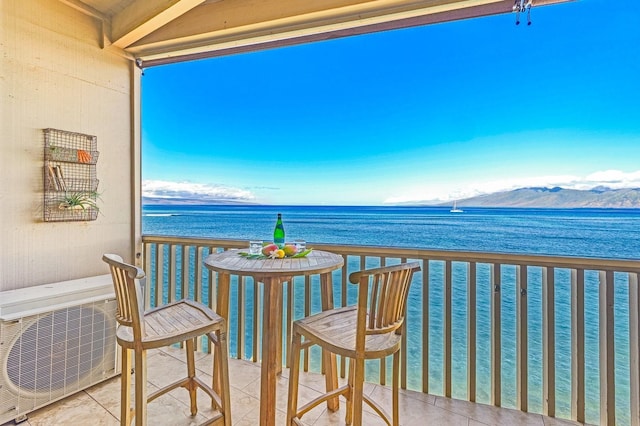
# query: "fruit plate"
[272,256]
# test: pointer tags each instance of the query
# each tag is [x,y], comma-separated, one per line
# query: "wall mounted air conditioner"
[55,340]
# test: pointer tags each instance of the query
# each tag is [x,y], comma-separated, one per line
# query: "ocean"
[601,233]
[606,233]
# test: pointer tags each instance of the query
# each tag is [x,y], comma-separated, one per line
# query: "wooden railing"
[555,335]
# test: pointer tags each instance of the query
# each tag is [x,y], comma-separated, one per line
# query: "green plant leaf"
[84,200]
[303,253]
[252,256]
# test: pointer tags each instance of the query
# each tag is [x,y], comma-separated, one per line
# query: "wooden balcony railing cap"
[588,263]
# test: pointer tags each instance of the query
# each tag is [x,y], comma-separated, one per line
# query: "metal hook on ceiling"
[517,8]
[521,6]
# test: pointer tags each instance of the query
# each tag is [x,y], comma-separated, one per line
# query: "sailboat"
[455,209]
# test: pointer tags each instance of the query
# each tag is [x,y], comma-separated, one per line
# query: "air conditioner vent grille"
[47,356]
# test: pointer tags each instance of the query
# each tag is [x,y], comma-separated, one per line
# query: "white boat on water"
[455,209]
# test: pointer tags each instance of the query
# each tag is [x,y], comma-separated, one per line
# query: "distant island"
[598,197]
[180,201]
[541,197]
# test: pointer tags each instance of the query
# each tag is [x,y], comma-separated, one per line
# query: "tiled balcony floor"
[99,405]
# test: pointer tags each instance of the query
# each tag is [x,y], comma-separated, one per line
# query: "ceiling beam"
[142,18]
[252,21]
[173,44]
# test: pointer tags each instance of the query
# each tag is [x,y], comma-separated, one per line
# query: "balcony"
[551,335]
[506,339]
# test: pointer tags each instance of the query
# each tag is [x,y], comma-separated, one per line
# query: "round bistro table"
[273,273]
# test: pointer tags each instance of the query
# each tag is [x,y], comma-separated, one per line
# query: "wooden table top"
[316,262]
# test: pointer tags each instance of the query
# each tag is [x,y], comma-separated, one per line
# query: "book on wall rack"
[53,178]
[57,178]
[61,182]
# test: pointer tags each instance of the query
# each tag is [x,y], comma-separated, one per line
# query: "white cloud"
[615,179]
[193,191]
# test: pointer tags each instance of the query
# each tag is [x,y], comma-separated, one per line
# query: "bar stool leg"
[191,374]
[395,388]
[125,388]
[141,387]
[223,366]
[294,372]
[348,419]
[358,384]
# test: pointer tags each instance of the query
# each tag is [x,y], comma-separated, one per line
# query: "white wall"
[53,73]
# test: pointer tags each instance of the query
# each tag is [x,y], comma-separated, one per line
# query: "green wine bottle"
[278,233]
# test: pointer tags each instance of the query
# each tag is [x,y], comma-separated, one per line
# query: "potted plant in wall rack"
[79,201]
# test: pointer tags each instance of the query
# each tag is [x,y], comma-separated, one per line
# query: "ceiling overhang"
[163,31]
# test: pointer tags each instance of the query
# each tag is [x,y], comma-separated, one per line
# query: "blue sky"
[439,112]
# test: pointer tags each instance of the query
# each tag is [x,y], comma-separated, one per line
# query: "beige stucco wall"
[53,73]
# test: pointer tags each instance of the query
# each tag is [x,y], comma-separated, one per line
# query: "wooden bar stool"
[181,321]
[371,330]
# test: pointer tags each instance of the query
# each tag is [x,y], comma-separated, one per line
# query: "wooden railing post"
[548,343]
[147,267]
[496,335]
[241,312]
[522,370]
[607,351]
[289,327]
[186,268]
[343,303]
[577,346]
[403,350]
[634,348]
[425,326]
[157,301]
[471,331]
[171,276]
[446,333]
[257,322]
[198,273]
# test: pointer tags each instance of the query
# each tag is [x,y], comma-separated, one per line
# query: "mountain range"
[598,197]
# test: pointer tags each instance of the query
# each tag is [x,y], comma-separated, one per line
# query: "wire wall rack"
[70,179]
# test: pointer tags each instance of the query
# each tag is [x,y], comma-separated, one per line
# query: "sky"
[420,115]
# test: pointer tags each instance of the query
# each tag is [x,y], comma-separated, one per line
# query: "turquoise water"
[603,233]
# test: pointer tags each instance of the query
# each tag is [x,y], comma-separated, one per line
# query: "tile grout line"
[101,406]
